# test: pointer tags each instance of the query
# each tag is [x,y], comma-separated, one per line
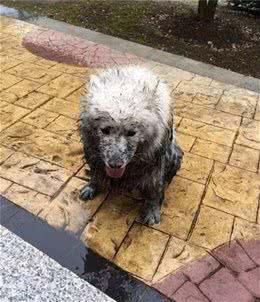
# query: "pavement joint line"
[37,157]
[124,237]
[162,256]
[96,211]
[232,230]
[197,120]
[215,109]
[245,251]
[196,216]
[258,211]
[149,53]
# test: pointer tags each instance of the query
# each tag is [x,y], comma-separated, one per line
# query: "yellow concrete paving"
[178,213]
[214,198]
[234,191]
[141,251]
[205,100]
[243,106]
[33,72]
[8,96]
[34,173]
[23,88]
[249,134]
[204,131]
[211,150]
[110,225]
[31,100]
[69,109]
[186,141]
[177,254]
[68,211]
[7,80]
[4,184]
[240,155]
[212,228]
[195,168]
[40,118]
[29,199]
[257,112]
[43,144]
[10,114]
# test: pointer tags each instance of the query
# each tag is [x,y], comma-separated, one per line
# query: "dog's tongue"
[115,173]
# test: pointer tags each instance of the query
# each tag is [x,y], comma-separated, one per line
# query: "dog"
[128,135]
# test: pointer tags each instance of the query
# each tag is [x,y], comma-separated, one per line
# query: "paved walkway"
[213,200]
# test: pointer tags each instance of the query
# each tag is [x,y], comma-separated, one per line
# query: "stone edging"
[28,274]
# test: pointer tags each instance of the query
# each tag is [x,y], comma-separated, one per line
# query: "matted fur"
[126,118]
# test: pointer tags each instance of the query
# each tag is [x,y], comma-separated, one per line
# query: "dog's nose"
[116,165]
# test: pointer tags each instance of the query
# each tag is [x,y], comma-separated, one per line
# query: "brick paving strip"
[230,273]
[213,200]
[67,49]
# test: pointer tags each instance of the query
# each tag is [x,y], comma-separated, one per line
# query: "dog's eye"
[131,133]
[105,130]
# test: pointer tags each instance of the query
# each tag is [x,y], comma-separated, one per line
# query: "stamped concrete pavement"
[209,233]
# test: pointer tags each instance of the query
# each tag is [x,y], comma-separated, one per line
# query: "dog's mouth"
[115,173]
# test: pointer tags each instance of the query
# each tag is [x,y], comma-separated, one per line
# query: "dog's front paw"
[87,193]
[150,214]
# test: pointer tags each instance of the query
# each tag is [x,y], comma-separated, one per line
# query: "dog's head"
[117,141]
[123,118]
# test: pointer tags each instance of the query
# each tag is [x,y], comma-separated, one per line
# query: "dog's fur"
[126,121]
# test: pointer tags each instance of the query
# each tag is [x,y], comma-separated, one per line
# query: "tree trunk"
[207,9]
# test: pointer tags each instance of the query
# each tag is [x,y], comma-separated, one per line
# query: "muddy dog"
[128,134]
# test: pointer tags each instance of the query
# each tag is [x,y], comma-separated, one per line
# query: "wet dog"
[128,136]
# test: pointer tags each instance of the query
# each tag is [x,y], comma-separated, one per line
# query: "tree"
[207,9]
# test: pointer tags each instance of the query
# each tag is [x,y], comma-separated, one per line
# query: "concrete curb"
[149,53]
[40,277]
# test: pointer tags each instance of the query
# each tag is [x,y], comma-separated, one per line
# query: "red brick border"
[65,48]
[230,274]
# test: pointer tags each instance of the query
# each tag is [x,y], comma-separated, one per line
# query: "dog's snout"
[115,165]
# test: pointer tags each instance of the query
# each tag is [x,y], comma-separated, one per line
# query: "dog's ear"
[151,90]
[169,127]
[156,87]
[86,121]
[94,81]
[168,134]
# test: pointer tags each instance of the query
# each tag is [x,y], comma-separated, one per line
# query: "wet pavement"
[213,200]
[68,251]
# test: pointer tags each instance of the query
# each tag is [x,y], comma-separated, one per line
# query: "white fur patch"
[129,92]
